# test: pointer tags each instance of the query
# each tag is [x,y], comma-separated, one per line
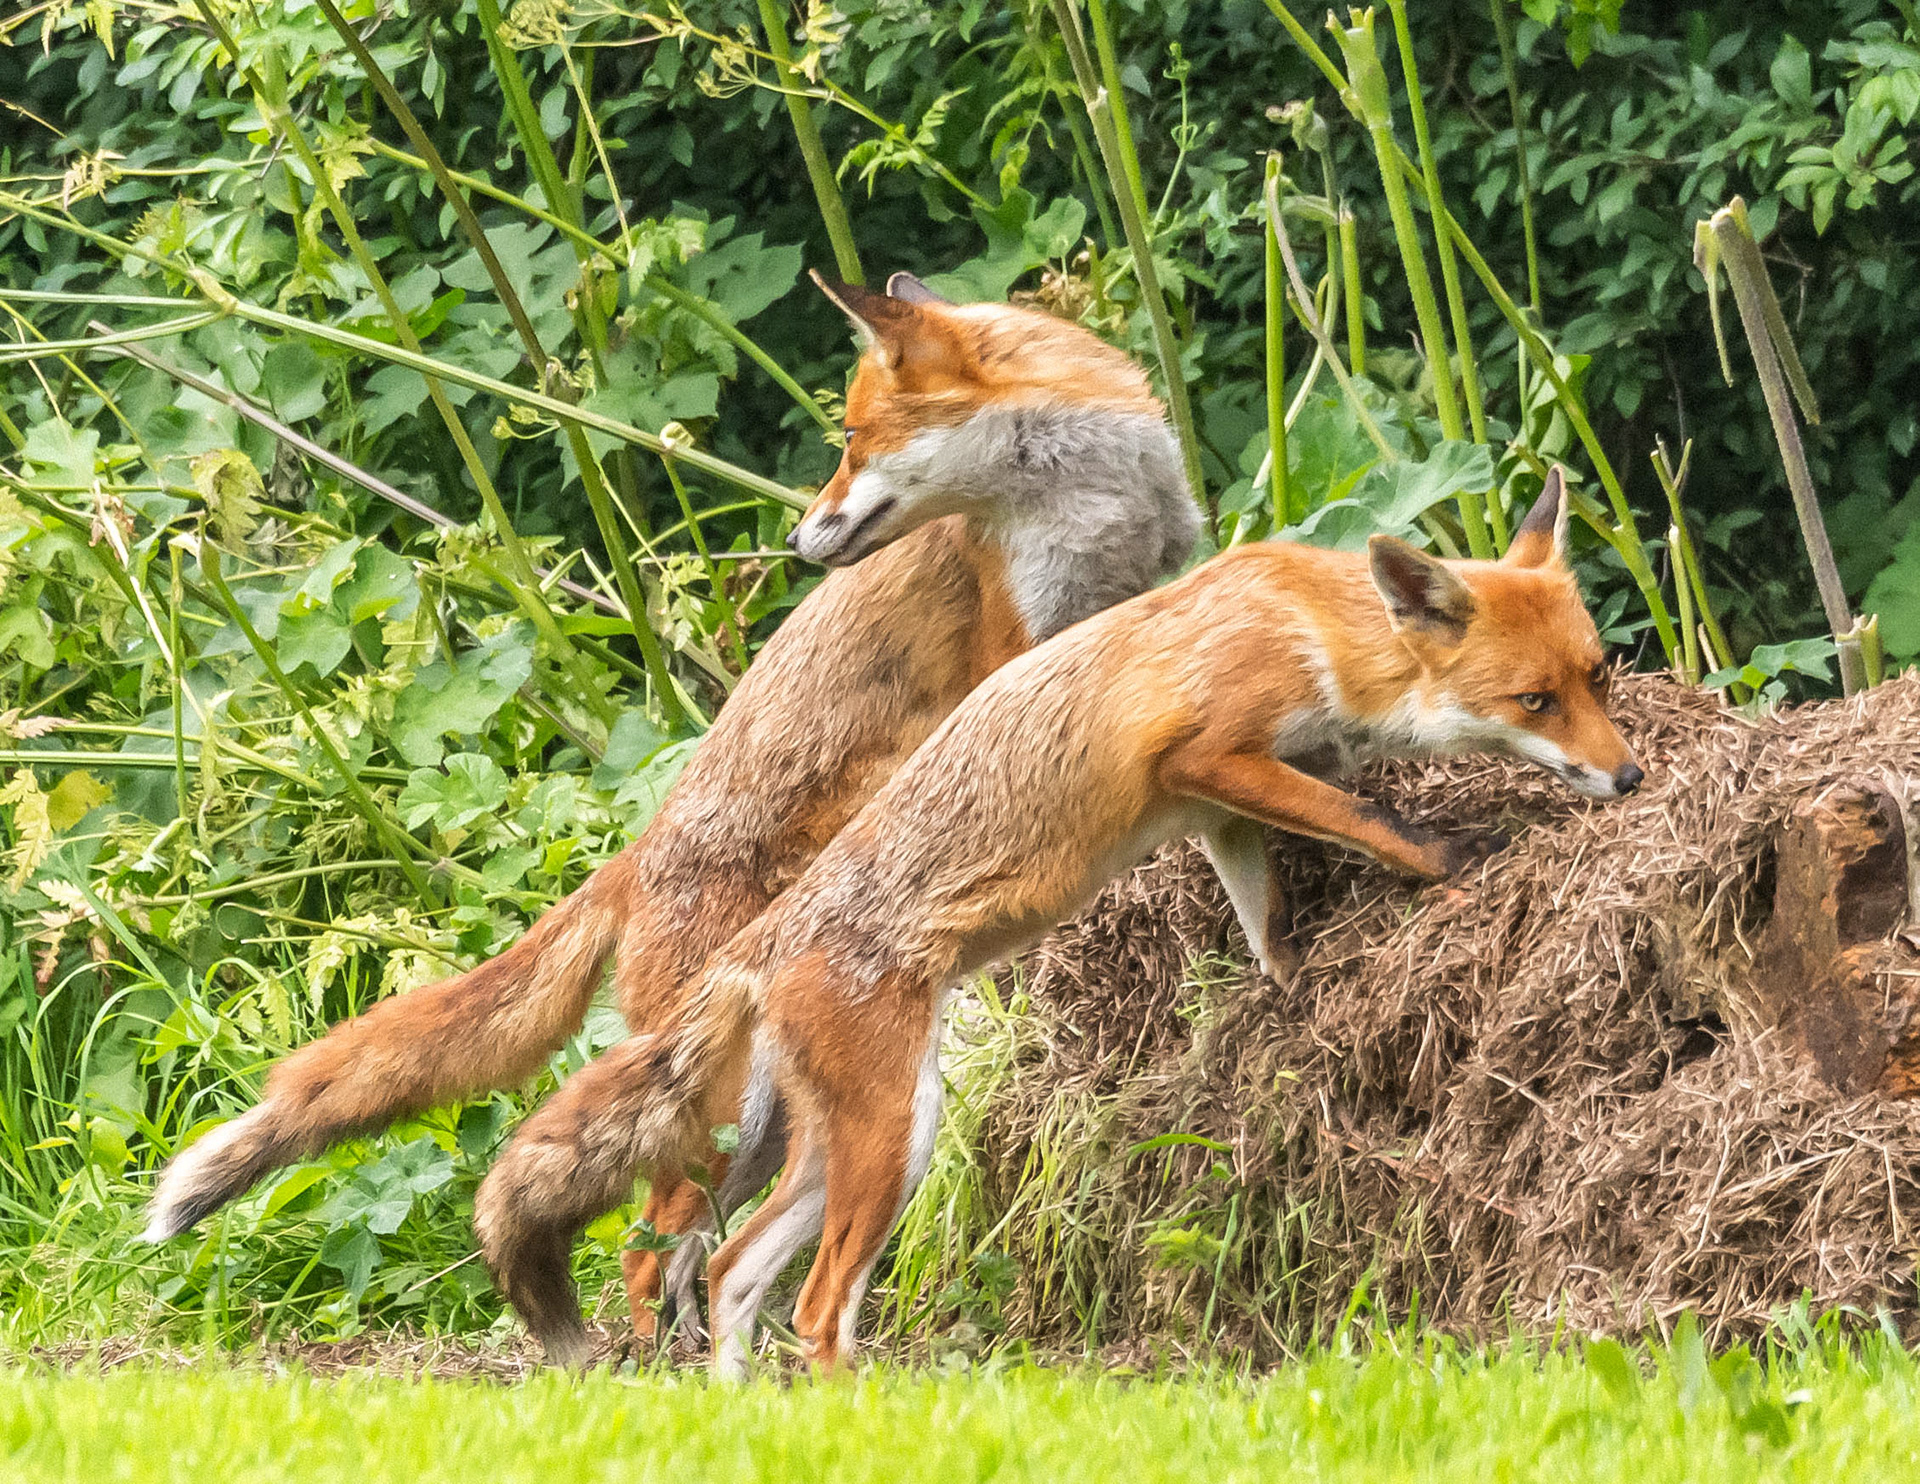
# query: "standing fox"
[1026,476]
[1211,704]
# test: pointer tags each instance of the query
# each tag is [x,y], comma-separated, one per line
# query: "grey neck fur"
[1090,506]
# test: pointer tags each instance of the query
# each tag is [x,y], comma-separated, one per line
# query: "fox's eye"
[1600,675]
[1534,700]
[851,433]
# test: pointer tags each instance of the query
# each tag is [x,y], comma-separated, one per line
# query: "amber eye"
[1534,700]
[1600,675]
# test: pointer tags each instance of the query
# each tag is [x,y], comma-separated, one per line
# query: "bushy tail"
[486,1029]
[646,1104]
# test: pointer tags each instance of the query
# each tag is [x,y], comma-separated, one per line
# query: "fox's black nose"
[1626,778]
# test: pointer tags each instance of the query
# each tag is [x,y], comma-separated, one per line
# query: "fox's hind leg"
[880,1128]
[748,1262]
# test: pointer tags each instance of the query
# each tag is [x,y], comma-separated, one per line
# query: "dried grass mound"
[1656,1057]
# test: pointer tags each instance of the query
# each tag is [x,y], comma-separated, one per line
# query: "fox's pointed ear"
[879,322]
[910,290]
[1542,538]
[897,332]
[1423,597]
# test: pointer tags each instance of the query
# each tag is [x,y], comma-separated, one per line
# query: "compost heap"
[1593,1085]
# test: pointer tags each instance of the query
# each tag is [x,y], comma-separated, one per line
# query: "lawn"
[1415,1413]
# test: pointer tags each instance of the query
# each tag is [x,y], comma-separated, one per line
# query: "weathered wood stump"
[1828,967]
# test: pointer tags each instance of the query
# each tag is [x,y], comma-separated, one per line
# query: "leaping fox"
[1211,706]
[1025,476]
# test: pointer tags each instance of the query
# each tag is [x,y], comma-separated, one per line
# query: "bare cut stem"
[1748,276]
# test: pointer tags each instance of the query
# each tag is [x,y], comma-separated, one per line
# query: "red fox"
[1215,702]
[1025,476]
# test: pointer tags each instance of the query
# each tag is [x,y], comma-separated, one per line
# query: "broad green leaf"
[74,797]
[61,454]
[634,739]
[460,698]
[742,276]
[472,785]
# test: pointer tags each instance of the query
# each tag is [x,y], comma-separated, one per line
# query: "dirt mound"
[1655,1057]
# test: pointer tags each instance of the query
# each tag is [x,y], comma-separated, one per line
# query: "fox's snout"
[1599,783]
[832,538]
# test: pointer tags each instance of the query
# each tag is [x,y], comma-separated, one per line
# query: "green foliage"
[222,832]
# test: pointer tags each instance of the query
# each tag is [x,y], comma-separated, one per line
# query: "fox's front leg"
[1237,849]
[1262,787]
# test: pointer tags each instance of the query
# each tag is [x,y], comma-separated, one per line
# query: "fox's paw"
[1471,847]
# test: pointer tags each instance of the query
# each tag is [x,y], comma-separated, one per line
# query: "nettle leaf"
[472,785]
[462,697]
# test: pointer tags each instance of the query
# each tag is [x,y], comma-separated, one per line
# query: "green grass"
[1419,1412]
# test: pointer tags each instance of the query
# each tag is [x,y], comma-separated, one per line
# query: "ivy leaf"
[61,453]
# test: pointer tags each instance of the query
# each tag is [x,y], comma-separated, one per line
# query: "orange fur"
[854,680]
[1169,714]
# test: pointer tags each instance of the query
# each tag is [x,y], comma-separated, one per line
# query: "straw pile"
[1655,1057]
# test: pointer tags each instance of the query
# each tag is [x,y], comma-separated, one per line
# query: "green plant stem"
[1624,537]
[269,93]
[1368,89]
[601,502]
[813,150]
[1276,319]
[706,560]
[1107,109]
[1672,482]
[403,846]
[1303,307]
[1443,249]
[1509,64]
[47,350]
[1746,272]
[1683,599]
[1356,305]
[175,600]
[756,484]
